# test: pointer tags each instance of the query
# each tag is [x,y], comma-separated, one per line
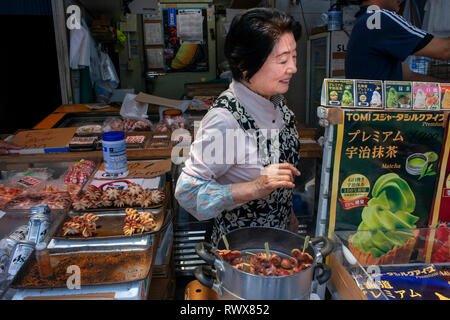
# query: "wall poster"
[185,38]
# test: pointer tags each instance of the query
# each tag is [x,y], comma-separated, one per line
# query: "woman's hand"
[275,176]
[5,146]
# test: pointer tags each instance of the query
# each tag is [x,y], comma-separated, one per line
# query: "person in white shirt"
[246,151]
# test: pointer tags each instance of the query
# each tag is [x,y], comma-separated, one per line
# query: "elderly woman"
[243,160]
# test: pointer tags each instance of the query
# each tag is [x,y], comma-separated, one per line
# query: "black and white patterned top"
[275,210]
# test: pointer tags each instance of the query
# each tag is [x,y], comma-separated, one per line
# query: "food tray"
[55,200]
[110,223]
[97,265]
[122,184]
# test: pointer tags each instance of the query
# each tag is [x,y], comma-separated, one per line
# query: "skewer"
[305,245]
[266,246]
[225,241]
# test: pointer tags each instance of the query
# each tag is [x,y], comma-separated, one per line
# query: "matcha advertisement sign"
[384,171]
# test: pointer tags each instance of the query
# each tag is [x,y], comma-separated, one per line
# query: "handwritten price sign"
[143,169]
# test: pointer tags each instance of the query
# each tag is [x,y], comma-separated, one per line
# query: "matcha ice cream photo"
[398,94]
[391,100]
[384,235]
[347,98]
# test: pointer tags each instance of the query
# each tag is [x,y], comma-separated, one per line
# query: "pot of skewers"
[263,263]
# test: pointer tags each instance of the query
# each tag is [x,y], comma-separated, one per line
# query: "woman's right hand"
[274,176]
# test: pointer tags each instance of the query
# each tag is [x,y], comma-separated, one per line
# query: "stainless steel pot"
[231,283]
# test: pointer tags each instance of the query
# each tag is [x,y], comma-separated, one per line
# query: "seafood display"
[6,194]
[264,264]
[127,125]
[172,123]
[134,196]
[55,200]
[114,223]
[132,125]
[138,222]
[79,173]
[84,225]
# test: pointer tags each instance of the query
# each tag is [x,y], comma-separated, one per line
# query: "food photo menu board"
[384,172]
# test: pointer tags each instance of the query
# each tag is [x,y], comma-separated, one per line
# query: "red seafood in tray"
[138,222]
[264,264]
[84,225]
[26,200]
[93,225]
[6,194]
[134,196]
[78,174]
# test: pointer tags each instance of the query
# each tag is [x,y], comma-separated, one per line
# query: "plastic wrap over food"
[127,125]
[112,124]
[172,123]
[132,125]
[77,175]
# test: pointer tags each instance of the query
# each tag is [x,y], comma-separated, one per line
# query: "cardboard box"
[338,93]
[159,101]
[369,94]
[398,95]
[426,96]
[43,141]
[445,96]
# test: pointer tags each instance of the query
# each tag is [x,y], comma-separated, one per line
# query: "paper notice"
[190,26]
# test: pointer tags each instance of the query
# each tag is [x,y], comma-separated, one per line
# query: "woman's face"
[275,74]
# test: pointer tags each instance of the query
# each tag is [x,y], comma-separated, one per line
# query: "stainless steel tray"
[110,231]
[97,265]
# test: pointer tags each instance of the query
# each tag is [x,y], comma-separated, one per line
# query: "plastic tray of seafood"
[47,177]
[107,197]
[123,224]
[97,265]
[58,201]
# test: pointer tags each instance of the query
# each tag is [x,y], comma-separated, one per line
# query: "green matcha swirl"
[386,214]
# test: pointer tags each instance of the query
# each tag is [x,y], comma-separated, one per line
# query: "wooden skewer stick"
[225,241]
[305,245]
[266,246]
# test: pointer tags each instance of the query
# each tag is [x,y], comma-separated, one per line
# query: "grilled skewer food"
[84,225]
[267,265]
[138,222]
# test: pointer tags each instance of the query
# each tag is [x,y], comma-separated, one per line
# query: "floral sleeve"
[204,199]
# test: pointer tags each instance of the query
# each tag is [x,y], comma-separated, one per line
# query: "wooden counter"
[308,150]
[53,118]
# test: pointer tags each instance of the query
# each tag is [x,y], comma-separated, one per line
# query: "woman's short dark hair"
[252,36]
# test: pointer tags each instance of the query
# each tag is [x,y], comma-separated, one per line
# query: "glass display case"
[325,59]
[419,270]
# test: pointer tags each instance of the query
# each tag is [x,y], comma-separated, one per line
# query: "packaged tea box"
[338,93]
[369,94]
[385,165]
[397,94]
[445,96]
[426,96]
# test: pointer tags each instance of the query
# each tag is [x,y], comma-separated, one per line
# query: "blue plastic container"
[115,153]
